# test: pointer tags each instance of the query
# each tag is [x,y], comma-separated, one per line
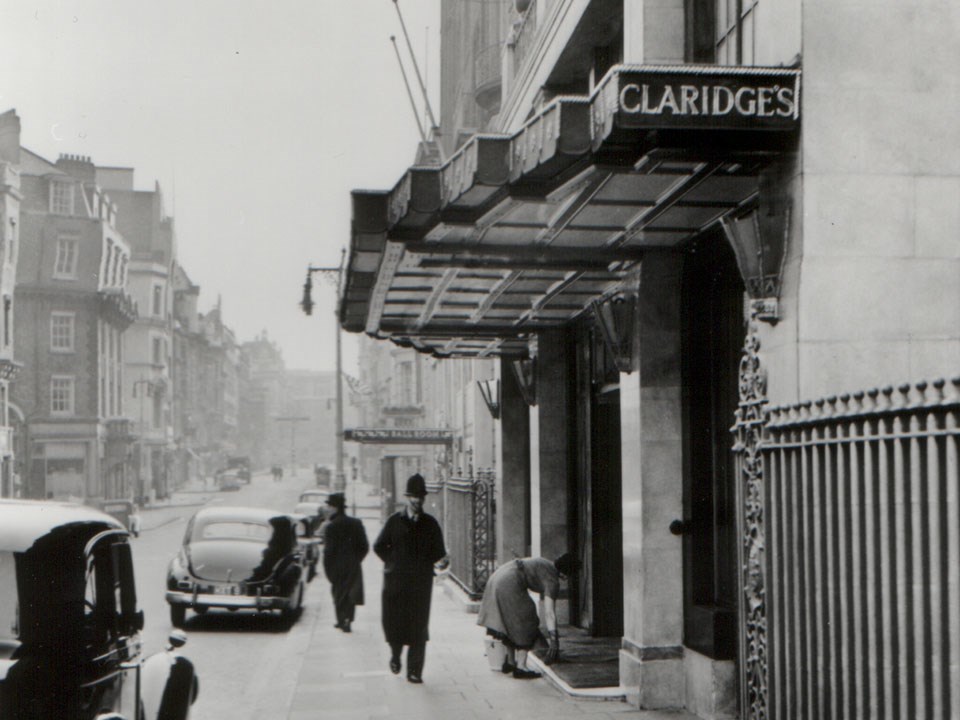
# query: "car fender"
[169,686]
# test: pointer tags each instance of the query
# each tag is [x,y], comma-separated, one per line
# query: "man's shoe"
[508,667]
[345,626]
[521,674]
[395,666]
[415,679]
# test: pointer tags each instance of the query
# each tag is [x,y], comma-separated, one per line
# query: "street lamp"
[306,304]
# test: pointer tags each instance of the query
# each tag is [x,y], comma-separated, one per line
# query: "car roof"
[226,513]
[23,522]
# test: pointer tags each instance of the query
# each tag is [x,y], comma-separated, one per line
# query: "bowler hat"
[416,486]
[337,500]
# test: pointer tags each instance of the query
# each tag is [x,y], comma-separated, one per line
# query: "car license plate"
[225,590]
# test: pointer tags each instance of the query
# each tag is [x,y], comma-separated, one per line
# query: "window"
[61,331]
[61,395]
[12,256]
[158,351]
[158,300]
[735,21]
[66,264]
[61,198]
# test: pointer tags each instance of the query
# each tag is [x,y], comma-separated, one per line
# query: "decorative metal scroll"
[483,534]
[748,431]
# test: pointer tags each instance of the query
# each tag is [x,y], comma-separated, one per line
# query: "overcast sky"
[257,118]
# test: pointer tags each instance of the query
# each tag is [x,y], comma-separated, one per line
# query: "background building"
[75,308]
[9,244]
[148,343]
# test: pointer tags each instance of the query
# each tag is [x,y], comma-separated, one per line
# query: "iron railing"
[470,535]
[856,526]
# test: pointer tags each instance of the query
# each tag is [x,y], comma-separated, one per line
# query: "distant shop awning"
[517,233]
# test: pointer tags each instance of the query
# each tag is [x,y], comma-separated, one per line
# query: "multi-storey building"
[661,238]
[9,240]
[220,370]
[74,309]
[148,343]
[262,398]
[188,343]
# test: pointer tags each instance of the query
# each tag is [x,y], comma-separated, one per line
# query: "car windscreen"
[233,530]
[9,617]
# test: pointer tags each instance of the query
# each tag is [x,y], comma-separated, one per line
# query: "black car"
[238,558]
[70,626]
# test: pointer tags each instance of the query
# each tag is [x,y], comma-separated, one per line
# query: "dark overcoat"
[408,548]
[344,548]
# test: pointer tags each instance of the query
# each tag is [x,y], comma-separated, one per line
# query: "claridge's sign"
[718,98]
[407,436]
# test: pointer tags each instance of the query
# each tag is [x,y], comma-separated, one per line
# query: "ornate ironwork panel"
[748,430]
[484,550]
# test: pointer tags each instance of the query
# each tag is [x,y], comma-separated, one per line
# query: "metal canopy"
[518,233]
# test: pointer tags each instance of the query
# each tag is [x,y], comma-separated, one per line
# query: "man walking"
[410,545]
[344,548]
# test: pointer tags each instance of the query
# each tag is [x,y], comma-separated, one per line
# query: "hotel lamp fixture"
[615,318]
[490,391]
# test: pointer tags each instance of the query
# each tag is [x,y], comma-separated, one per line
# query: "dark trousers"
[416,654]
[344,606]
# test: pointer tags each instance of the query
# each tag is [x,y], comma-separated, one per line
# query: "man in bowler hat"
[410,545]
[344,548]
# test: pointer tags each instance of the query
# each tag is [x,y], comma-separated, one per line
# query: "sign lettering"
[709,100]
[402,436]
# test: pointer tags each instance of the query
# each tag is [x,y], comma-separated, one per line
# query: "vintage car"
[309,541]
[238,558]
[125,511]
[70,626]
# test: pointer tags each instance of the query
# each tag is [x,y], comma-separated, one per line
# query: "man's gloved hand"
[553,650]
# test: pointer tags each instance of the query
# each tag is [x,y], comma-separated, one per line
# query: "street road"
[245,663]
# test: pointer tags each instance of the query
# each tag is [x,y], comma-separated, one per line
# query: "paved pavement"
[326,673]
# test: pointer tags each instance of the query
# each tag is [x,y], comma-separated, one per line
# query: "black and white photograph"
[479,359]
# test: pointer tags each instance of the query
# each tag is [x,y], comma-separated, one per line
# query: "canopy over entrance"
[518,233]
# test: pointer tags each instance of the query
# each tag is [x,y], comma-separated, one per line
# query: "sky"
[256,117]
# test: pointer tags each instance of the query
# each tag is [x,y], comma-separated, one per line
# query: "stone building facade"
[714,246]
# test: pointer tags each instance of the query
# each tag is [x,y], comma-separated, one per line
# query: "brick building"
[74,309]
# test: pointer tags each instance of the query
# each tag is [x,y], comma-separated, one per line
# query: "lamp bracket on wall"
[615,318]
[490,392]
[759,240]
[525,371]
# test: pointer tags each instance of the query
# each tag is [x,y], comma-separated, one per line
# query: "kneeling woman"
[510,615]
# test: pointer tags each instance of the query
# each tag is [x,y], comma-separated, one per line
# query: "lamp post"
[306,304]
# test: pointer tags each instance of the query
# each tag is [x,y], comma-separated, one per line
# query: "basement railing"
[857,611]
[470,535]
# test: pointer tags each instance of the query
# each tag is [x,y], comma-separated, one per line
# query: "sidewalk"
[345,676]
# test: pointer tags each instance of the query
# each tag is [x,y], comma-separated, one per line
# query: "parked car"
[70,626]
[240,463]
[314,512]
[125,511]
[309,541]
[228,480]
[238,558]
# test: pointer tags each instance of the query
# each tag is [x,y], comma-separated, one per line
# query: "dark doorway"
[712,339]
[599,494]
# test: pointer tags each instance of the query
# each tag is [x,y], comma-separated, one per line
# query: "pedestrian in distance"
[411,547]
[510,615]
[344,548]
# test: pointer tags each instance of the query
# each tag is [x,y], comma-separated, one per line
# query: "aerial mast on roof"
[416,68]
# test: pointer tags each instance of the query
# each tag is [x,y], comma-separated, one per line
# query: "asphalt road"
[246,663]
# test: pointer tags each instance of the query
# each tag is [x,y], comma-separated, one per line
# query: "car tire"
[178,615]
[292,614]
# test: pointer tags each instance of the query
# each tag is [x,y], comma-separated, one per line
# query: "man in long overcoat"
[344,548]
[410,545]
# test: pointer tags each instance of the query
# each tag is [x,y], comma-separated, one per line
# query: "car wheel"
[292,613]
[178,615]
